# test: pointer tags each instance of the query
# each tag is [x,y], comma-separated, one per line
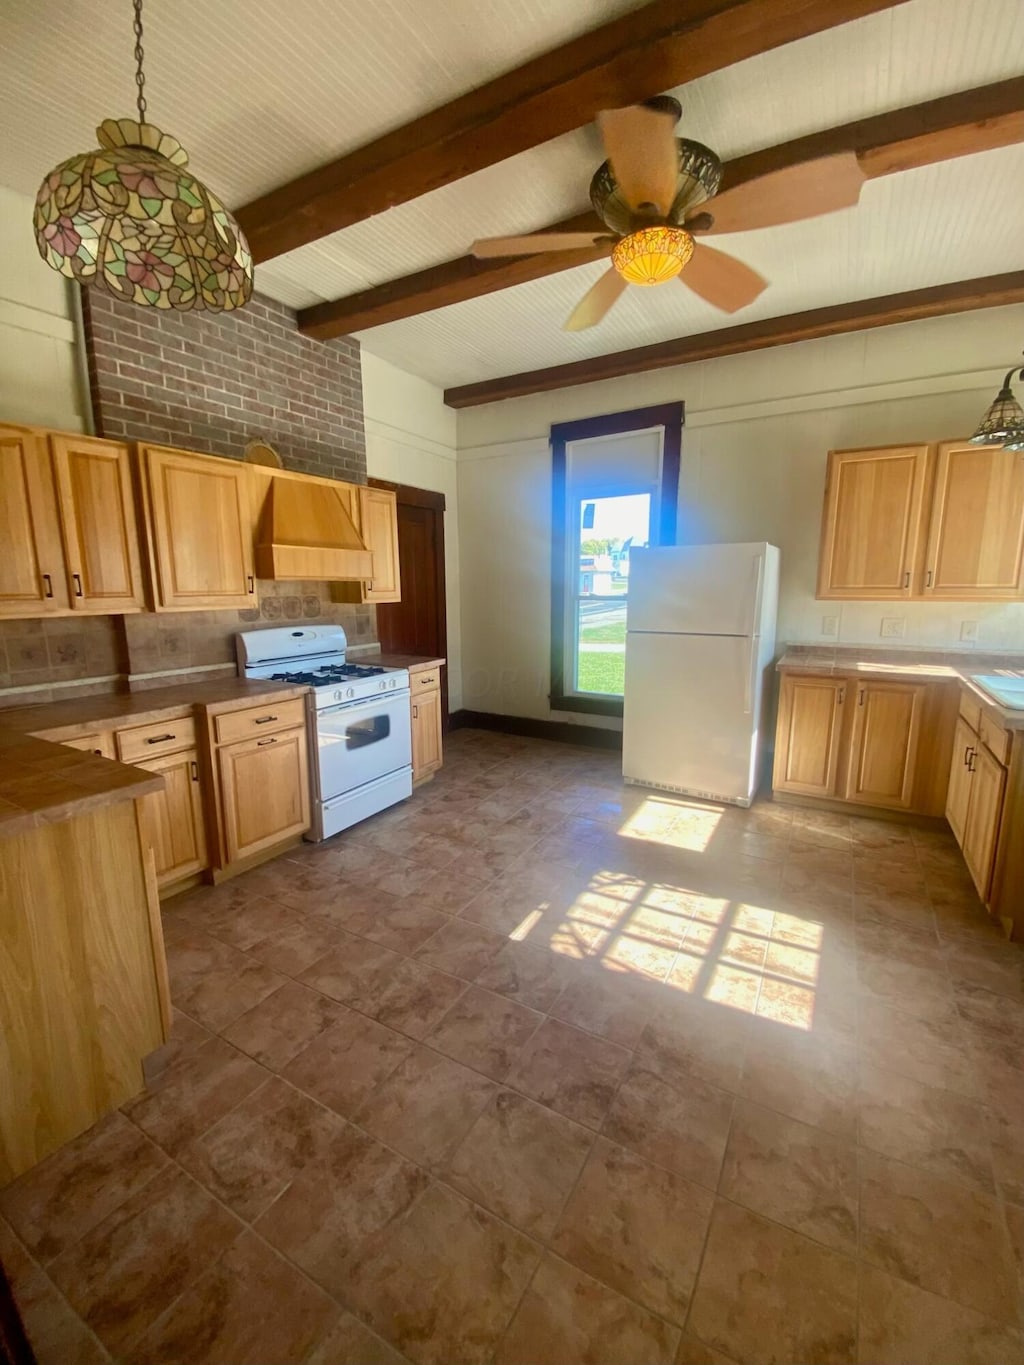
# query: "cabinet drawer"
[160,737]
[996,739]
[428,680]
[970,710]
[260,720]
[99,743]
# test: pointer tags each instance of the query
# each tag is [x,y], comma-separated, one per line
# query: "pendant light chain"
[140,78]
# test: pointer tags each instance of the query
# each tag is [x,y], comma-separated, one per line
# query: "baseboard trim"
[586,735]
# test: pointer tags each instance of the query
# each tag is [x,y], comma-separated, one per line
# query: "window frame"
[670,417]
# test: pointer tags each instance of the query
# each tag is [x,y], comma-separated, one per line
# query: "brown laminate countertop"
[42,782]
[913,665]
[414,662]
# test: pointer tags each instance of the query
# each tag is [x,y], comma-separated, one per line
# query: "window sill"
[588,705]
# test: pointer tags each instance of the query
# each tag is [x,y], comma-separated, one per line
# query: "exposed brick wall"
[215,382]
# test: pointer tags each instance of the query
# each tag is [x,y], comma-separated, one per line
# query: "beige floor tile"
[927,1050]
[344,1065]
[939,1234]
[922,991]
[214,983]
[415,998]
[997,967]
[903,1325]
[682,1127]
[637,1228]
[279,1027]
[811,1080]
[796,1175]
[244,925]
[696,1038]
[924,1125]
[767,1294]
[533,976]
[521,1160]
[485,1031]
[444,1286]
[570,1071]
[298,947]
[356,972]
[461,948]
[193,1094]
[251,1306]
[400,924]
[568,1318]
[426,1107]
[612,1005]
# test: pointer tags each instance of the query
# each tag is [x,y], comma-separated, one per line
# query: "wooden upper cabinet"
[976,539]
[97,513]
[872,523]
[378,513]
[808,735]
[883,743]
[201,531]
[32,581]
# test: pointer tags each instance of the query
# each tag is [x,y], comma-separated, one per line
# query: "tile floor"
[536,1068]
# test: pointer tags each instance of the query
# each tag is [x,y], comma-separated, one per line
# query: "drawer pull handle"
[252,584]
[195,771]
[263,720]
[48,585]
[160,739]
[260,742]
[424,681]
[76,578]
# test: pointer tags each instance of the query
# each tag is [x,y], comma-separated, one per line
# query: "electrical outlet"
[969,631]
[830,625]
[893,627]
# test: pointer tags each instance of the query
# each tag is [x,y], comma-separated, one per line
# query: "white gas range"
[359,716]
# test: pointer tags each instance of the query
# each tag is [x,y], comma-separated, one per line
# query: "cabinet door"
[379,528]
[201,527]
[958,794]
[32,562]
[807,737]
[988,782]
[872,525]
[97,512]
[264,788]
[976,540]
[172,820]
[426,734]
[883,744]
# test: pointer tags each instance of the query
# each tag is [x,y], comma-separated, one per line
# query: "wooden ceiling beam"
[938,130]
[660,45]
[991,291]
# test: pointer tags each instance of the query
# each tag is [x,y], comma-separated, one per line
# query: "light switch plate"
[830,625]
[893,627]
[969,631]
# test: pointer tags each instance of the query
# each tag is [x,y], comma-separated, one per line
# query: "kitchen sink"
[1006,689]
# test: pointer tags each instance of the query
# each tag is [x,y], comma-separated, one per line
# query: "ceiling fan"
[657,194]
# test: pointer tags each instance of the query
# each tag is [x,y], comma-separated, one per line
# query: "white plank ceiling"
[259,92]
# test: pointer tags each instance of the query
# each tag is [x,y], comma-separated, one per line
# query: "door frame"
[435,502]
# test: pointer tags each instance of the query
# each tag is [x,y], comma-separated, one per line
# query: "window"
[614,488]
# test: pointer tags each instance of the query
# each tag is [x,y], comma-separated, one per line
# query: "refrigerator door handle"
[755,640]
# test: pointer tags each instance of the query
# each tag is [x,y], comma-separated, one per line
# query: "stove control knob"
[381,686]
[391,683]
[350,692]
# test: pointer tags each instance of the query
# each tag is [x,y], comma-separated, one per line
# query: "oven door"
[360,741]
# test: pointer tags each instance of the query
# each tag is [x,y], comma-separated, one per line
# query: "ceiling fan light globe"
[653,255]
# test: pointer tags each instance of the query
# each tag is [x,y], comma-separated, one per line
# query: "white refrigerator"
[700,637]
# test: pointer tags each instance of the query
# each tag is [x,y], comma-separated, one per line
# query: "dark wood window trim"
[669,416]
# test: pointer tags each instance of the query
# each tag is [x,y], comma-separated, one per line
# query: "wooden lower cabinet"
[884,737]
[808,733]
[100,743]
[426,734]
[958,795]
[988,782]
[264,792]
[975,800]
[172,820]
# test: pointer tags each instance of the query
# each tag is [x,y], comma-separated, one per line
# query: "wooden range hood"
[306,531]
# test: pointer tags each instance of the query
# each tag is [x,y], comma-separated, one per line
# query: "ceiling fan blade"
[641,145]
[721,280]
[530,243]
[596,302]
[789,195]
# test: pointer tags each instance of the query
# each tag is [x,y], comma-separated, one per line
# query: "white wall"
[410,438]
[39,341]
[757,431]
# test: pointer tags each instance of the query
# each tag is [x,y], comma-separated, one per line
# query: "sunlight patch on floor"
[675,822]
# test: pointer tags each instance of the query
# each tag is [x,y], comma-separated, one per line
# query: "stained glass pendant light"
[652,255]
[130,218]
[1003,423]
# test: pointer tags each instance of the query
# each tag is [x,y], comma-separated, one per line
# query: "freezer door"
[691,714]
[696,589]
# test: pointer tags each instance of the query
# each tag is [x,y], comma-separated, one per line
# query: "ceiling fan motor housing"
[700,173]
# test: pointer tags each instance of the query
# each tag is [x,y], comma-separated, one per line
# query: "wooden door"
[988,782]
[808,732]
[378,524]
[171,821]
[872,526]
[201,528]
[418,624]
[883,743]
[976,540]
[32,579]
[426,734]
[958,794]
[264,788]
[101,535]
